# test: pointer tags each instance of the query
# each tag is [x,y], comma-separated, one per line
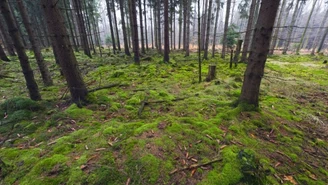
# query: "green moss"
[78,113]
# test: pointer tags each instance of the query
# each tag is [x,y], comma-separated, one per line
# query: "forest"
[140,92]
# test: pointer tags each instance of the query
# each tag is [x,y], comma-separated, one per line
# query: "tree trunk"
[70,26]
[259,51]
[185,2]
[226,24]
[159,26]
[65,54]
[155,25]
[276,31]
[316,40]
[45,74]
[199,49]
[151,27]
[116,27]
[203,27]
[166,32]
[126,47]
[180,24]
[87,15]
[132,4]
[306,27]
[208,29]
[81,26]
[216,25]
[6,37]
[322,41]
[3,55]
[18,43]
[248,31]
[211,73]
[146,28]
[236,58]
[187,41]
[141,29]
[111,25]
[174,29]
[291,28]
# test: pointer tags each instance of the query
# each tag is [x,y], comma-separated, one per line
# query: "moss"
[78,113]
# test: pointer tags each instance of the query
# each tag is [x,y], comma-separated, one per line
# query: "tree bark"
[259,51]
[132,4]
[18,43]
[199,49]
[126,47]
[159,26]
[236,58]
[203,27]
[65,54]
[81,27]
[180,24]
[146,28]
[70,26]
[87,18]
[226,24]
[166,32]
[208,29]
[151,27]
[116,27]
[291,28]
[216,25]
[45,74]
[187,39]
[248,31]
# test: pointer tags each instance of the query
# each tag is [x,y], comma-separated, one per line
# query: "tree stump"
[211,73]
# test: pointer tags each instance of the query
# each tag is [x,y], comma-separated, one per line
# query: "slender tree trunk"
[226,24]
[141,29]
[155,25]
[215,27]
[291,28]
[70,26]
[185,2]
[166,32]
[151,27]
[199,49]
[159,26]
[116,27]
[146,28]
[232,11]
[322,41]
[74,24]
[174,28]
[6,37]
[187,41]
[276,31]
[132,4]
[316,40]
[81,26]
[18,43]
[111,25]
[46,77]
[180,23]
[126,47]
[208,29]
[259,51]
[306,27]
[3,55]
[171,22]
[65,54]
[248,32]
[87,18]
[203,27]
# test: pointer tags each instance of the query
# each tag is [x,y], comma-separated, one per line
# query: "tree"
[216,25]
[6,37]
[315,41]
[166,32]
[306,27]
[65,54]
[111,25]
[248,32]
[159,26]
[18,43]
[276,31]
[126,47]
[132,4]
[116,27]
[141,28]
[187,37]
[45,74]
[259,51]
[68,18]
[81,27]
[145,15]
[199,49]
[208,29]
[226,24]
[3,55]
[291,28]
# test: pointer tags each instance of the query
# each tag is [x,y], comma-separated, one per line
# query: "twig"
[195,166]
[143,104]
[107,87]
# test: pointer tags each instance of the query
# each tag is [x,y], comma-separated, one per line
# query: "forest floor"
[158,125]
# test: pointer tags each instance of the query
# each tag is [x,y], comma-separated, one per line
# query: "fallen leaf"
[223,146]
[100,149]
[290,179]
[312,176]
[193,172]
[277,164]
[83,167]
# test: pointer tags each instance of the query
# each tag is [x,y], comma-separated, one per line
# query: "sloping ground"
[158,125]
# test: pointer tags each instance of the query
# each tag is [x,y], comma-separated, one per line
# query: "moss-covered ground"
[183,124]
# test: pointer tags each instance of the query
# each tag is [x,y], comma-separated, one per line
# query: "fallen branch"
[195,166]
[108,87]
[143,104]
